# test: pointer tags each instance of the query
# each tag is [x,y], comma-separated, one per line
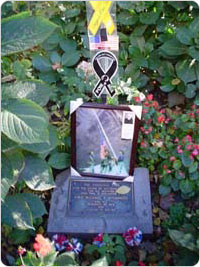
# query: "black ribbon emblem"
[105,77]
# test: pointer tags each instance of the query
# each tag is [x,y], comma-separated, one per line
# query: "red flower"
[165,167]
[146,104]
[188,147]
[155,104]
[196,146]
[150,97]
[118,263]
[161,119]
[99,238]
[140,263]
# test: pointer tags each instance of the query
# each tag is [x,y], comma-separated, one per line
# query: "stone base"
[61,221]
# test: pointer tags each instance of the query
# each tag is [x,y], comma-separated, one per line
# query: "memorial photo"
[100,147]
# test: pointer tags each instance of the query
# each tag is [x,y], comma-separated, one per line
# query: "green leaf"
[126,18]
[185,71]
[191,90]
[70,13]
[19,237]
[68,45]
[49,259]
[24,121]
[55,57]
[7,144]
[22,33]
[7,175]
[194,27]
[193,167]
[100,262]
[193,52]
[44,147]
[187,162]
[177,164]
[34,90]
[164,190]
[16,213]
[180,238]
[184,35]
[59,160]
[35,204]
[173,48]
[41,63]
[70,59]
[65,259]
[149,17]
[37,174]
[186,186]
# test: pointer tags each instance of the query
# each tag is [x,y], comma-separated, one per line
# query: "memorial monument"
[102,192]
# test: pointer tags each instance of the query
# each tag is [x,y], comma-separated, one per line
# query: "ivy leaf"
[187,162]
[16,213]
[37,174]
[191,90]
[34,90]
[184,35]
[24,121]
[21,32]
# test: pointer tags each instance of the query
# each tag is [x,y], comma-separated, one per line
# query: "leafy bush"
[42,45]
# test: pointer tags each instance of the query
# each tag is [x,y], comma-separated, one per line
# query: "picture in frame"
[103,140]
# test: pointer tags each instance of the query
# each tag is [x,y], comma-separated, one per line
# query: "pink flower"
[144,111]
[143,144]
[172,158]
[191,114]
[189,138]
[168,171]
[191,157]
[196,146]
[161,119]
[146,104]
[142,129]
[188,147]
[150,97]
[165,167]
[137,99]
[155,104]
[176,140]
[195,152]
[167,120]
[179,150]
[162,110]
[21,250]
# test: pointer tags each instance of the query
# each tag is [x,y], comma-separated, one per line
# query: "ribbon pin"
[105,77]
[101,15]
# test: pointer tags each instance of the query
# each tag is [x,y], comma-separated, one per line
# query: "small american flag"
[103,147]
[111,44]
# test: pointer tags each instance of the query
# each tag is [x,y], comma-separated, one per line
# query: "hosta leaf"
[7,144]
[24,121]
[100,262]
[7,175]
[35,204]
[65,259]
[122,190]
[21,33]
[16,213]
[59,160]
[44,147]
[34,90]
[37,174]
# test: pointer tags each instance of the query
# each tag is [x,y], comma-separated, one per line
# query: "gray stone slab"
[64,218]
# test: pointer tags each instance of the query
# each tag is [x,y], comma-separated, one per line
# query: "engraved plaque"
[100,197]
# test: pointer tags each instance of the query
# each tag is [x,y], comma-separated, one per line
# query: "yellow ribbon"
[101,15]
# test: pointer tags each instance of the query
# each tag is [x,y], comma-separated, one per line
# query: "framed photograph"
[103,140]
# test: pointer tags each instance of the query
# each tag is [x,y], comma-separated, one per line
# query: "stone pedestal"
[63,218]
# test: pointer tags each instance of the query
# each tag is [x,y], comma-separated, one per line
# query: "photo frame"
[103,140]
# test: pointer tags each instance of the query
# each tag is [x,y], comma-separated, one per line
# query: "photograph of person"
[100,148]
